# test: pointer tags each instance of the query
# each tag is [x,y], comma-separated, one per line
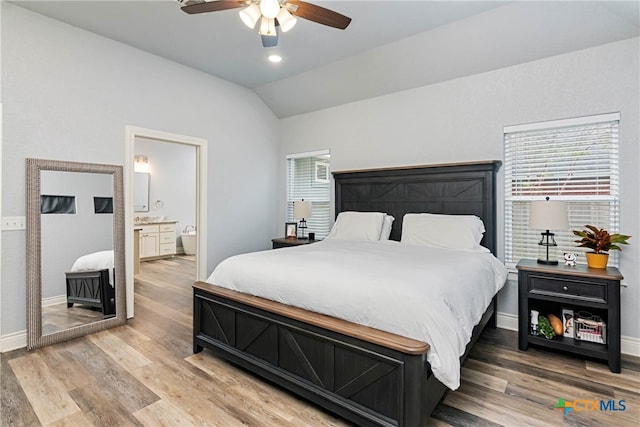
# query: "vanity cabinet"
[157,240]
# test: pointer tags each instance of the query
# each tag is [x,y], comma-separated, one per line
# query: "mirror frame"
[35,339]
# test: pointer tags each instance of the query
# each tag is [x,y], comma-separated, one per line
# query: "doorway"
[139,141]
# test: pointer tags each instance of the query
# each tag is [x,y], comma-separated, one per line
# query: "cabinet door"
[149,245]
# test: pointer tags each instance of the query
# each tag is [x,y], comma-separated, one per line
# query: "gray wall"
[462,120]
[69,94]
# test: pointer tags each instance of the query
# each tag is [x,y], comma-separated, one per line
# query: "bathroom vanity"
[156,239]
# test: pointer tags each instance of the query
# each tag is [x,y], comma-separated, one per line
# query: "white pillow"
[357,226]
[443,231]
[386,227]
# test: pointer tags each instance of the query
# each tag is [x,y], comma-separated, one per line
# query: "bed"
[364,374]
[91,282]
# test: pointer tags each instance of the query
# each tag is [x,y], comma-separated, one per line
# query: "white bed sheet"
[433,295]
[96,261]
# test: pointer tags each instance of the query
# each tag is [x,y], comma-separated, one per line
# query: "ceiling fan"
[272,14]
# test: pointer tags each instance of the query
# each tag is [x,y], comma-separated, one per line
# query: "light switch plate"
[13,223]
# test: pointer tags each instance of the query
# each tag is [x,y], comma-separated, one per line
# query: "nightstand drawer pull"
[565,288]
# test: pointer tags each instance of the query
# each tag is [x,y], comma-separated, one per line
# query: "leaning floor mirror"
[75,250]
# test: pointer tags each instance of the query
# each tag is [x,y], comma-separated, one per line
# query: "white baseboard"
[13,341]
[60,299]
[629,345]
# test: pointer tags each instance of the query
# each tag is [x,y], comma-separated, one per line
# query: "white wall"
[462,120]
[69,94]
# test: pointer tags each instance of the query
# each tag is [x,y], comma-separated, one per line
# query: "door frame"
[200,144]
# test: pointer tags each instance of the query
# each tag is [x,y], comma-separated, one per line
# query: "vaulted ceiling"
[390,45]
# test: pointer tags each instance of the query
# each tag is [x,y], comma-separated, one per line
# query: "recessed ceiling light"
[274,58]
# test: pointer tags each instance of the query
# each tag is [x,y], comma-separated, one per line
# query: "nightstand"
[284,242]
[552,288]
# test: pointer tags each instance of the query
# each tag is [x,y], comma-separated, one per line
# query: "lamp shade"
[548,215]
[301,209]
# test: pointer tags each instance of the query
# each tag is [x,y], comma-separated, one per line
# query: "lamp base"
[547,261]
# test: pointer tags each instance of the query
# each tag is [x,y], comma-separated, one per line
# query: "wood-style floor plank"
[145,373]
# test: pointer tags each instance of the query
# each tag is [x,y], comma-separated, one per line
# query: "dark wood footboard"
[367,376]
[91,288]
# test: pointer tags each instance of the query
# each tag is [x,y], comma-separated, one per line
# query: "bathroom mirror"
[141,192]
[75,250]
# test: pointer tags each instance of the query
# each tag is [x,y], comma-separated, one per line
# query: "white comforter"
[433,295]
[96,261]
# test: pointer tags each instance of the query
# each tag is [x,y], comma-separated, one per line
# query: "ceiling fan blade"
[212,6]
[269,41]
[319,14]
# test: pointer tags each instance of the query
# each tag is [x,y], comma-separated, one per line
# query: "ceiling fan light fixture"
[267,27]
[269,8]
[286,20]
[250,15]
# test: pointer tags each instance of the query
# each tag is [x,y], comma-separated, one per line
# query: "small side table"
[551,288]
[284,242]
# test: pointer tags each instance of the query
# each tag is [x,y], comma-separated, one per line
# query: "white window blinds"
[308,178]
[575,160]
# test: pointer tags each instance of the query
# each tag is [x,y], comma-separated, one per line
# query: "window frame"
[581,205]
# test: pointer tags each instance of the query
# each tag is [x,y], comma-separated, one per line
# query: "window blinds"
[308,178]
[575,160]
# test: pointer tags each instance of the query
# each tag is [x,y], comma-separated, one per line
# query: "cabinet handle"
[565,288]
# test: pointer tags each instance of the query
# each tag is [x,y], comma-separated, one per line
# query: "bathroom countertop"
[164,221]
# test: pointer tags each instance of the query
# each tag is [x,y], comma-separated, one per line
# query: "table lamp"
[548,215]
[302,210]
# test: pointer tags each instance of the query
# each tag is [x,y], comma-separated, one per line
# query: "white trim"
[60,299]
[308,154]
[507,321]
[1,212]
[551,124]
[13,341]
[202,159]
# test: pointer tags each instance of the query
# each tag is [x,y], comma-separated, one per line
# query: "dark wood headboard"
[455,189]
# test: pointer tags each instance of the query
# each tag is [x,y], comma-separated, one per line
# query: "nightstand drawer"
[567,288]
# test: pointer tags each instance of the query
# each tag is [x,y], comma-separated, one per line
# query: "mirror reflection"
[141,192]
[75,250]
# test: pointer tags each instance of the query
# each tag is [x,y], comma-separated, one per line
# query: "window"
[308,178]
[575,160]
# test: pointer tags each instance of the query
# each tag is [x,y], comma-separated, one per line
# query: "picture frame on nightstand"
[568,324]
[290,230]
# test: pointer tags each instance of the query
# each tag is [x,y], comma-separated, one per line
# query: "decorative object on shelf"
[570,259]
[548,215]
[556,323]
[290,230]
[534,322]
[590,328]
[302,210]
[600,242]
[545,328]
[567,318]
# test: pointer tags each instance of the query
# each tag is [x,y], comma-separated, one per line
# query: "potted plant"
[600,242]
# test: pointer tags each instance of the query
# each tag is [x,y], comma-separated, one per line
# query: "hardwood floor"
[144,373]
